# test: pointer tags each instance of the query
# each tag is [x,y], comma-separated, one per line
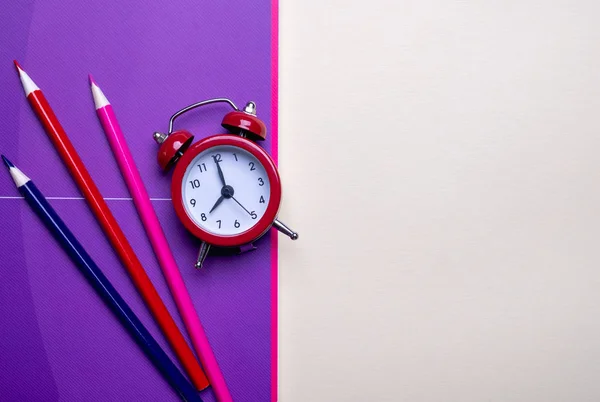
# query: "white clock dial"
[230,207]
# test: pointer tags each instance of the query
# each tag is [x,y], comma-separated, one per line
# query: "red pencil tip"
[28,85]
[92,79]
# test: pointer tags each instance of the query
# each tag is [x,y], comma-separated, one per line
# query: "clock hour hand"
[220,200]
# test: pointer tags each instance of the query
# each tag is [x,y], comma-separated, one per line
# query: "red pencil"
[111,228]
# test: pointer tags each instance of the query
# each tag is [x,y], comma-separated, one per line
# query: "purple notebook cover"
[58,342]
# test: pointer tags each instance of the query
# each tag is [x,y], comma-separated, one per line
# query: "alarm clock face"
[225,190]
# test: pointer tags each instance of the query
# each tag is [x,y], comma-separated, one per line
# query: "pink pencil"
[159,242]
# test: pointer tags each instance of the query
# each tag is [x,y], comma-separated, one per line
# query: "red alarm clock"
[225,188]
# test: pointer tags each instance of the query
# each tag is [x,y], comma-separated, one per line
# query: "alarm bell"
[246,123]
[243,122]
[172,147]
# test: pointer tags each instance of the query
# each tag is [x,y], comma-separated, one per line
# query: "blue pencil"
[103,287]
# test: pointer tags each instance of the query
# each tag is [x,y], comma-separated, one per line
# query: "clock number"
[261,182]
[236,224]
[195,183]
[251,164]
[202,167]
[193,202]
[253,215]
[235,156]
[219,221]
[262,200]
[203,216]
[217,158]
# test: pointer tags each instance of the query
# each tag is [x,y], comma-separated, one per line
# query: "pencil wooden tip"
[8,163]
[28,84]
[91,79]
[100,100]
[18,177]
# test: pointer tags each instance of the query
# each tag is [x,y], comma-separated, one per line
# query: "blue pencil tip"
[8,163]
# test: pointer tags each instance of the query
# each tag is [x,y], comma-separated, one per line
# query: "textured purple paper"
[57,340]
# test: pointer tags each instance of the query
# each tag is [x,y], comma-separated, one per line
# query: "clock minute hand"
[220,172]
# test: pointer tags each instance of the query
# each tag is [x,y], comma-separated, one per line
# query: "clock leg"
[277,224]
[202,253]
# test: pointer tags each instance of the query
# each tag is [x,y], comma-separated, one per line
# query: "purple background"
[57,340]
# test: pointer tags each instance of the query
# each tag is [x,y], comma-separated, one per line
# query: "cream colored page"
[440,163]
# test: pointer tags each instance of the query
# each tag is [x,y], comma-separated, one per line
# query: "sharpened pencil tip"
[100,100]
[18,177]
[91,79]
[8,163]
[28,84]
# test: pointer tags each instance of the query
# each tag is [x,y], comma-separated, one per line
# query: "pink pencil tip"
[100,100]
